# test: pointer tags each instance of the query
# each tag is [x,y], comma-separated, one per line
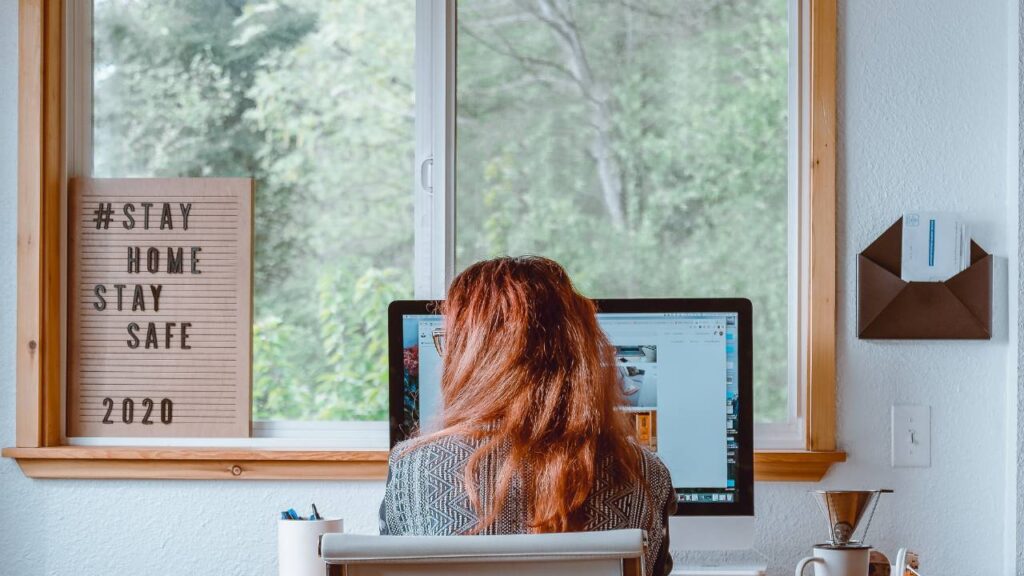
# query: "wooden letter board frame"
[196,380]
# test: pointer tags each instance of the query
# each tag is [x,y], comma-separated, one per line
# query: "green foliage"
[354,336]
[332,369]
[691,99]
[283,368]
[647,154]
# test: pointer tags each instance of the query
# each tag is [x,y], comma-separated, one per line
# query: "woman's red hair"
[526,365]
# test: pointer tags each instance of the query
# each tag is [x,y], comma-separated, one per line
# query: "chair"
[611,553]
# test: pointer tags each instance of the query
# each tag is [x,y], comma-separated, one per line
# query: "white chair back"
[611,553]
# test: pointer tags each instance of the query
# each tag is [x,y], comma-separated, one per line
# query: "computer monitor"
[686,370]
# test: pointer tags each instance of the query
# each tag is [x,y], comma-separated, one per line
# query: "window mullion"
[422,181]
[435,146]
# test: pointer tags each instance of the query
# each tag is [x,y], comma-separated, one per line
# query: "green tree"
[640,144]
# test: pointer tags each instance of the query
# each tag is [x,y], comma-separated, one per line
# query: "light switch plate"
[911,436]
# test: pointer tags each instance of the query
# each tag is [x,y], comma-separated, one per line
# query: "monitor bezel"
[744,504]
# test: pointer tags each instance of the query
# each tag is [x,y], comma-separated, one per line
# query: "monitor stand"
[711,532]
[714,546]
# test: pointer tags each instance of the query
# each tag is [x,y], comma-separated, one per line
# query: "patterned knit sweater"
[426,496]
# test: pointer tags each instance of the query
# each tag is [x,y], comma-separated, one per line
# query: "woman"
[531,440]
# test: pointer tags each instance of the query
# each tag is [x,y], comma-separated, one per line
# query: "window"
[655,148]
[642,145]
[206,88]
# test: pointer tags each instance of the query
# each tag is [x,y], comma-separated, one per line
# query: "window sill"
[247,464]
[199,463]
[794,465]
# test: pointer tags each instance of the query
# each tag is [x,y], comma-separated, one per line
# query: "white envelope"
[932,246]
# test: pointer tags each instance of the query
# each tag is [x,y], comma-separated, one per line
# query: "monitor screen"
[681,372]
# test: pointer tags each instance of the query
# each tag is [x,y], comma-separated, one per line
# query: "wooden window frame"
[40,275]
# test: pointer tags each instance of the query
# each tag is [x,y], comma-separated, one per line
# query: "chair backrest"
[611,553]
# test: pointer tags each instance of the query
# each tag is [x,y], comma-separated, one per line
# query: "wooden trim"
[632,567]
[30,74]
[821,321]
[132,453]
[199,463]
[52,346]
[221,463]
[40,173]
[794,466]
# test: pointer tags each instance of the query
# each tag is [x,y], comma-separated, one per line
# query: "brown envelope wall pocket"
[890,308]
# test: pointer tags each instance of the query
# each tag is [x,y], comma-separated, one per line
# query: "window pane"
[314,99]
[641,144]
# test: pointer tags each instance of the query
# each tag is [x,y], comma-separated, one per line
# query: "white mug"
[837,561]
[298,543]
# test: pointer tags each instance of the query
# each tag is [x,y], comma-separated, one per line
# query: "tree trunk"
[555,13]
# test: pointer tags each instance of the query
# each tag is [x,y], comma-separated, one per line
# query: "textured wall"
[1015,186]
[922,120]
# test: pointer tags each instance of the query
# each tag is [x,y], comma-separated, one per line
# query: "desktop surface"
[685,371]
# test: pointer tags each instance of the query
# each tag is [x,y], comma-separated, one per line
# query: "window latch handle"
[426,173]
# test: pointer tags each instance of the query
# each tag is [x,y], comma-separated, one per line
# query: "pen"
[316,514]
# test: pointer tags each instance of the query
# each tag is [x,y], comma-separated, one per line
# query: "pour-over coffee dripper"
[844,512]
[844,553]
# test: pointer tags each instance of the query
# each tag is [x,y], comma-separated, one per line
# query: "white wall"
[1014,539]
[922,124]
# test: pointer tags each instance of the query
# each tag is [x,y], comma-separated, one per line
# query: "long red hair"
[525,363]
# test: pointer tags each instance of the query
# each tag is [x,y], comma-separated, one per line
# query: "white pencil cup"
[297,545]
